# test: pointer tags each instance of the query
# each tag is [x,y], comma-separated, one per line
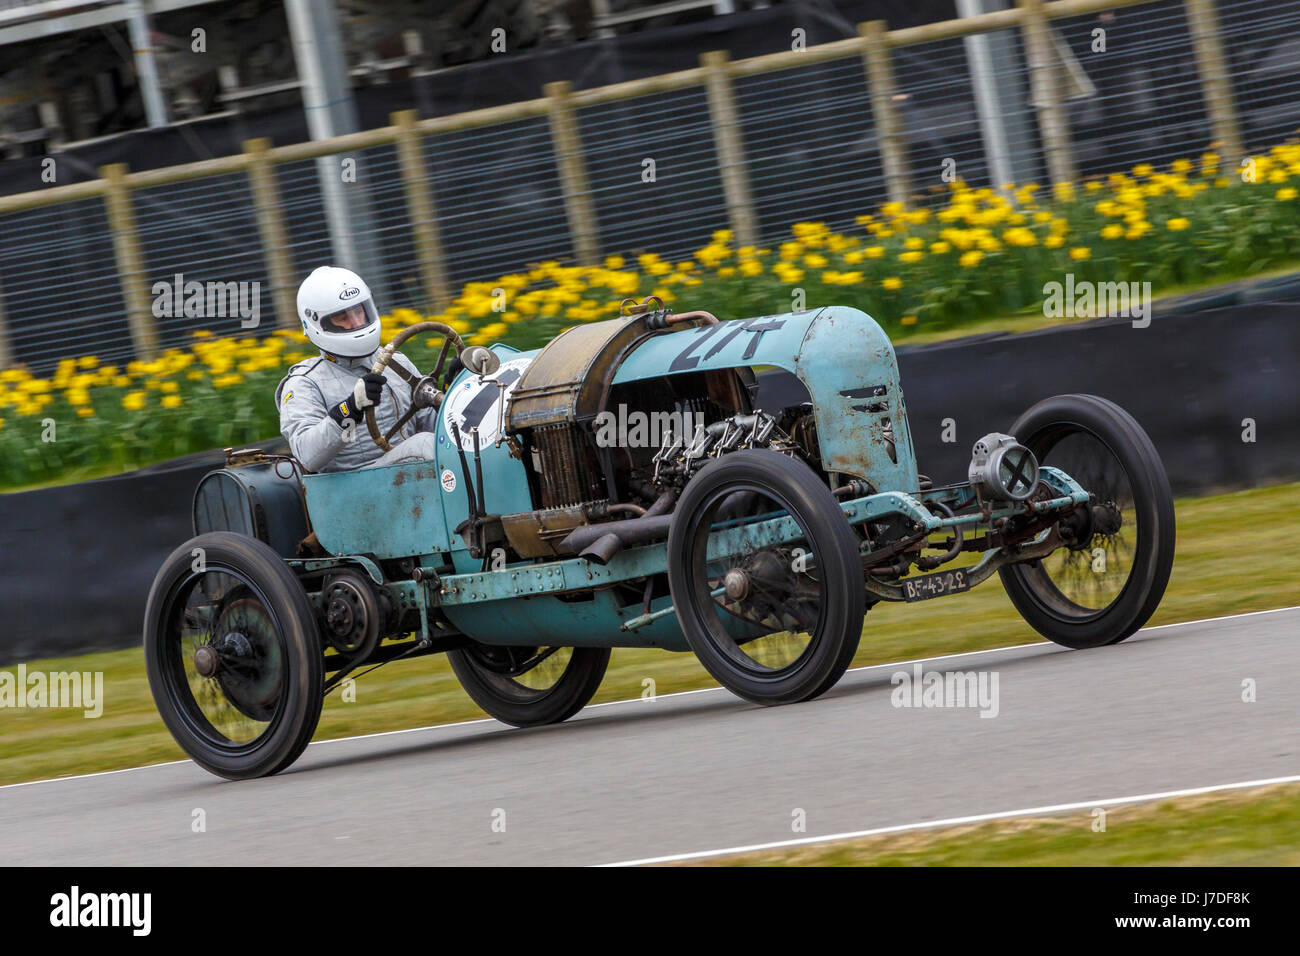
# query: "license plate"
[928,586]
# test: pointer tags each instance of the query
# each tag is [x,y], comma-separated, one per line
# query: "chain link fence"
[1034,93]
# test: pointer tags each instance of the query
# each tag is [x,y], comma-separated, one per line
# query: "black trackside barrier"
[77,561]
[1191,380]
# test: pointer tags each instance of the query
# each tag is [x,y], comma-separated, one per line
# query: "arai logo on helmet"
[351,292]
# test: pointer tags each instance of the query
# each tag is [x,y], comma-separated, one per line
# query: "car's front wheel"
[766,577]
[1110,577]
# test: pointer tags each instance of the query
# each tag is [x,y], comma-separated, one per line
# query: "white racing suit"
[324,439]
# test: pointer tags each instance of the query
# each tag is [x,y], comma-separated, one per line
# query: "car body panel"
[390,511]
[546,619]
[412,509]
[843,358]
[841,355]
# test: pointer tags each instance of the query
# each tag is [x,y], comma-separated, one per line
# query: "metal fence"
[658,164]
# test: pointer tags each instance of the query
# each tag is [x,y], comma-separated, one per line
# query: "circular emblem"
[448,479]
[477,404]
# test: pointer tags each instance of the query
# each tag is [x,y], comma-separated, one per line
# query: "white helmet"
[338,313]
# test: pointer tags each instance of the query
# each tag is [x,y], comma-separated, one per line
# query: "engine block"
[681,456]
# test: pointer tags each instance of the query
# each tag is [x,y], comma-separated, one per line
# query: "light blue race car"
[744,490]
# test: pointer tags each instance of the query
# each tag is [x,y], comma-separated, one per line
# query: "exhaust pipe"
[598,543]
[602,549]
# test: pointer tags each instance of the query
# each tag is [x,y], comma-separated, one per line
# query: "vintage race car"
[745,490]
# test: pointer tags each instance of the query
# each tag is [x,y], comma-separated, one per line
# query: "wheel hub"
[249,669]
[339,617]
[765,590]
[207,661]
[1106,518]
[351,615]
[234,644]
[736,581]
[1076,528]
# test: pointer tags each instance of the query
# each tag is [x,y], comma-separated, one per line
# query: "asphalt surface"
[704,770]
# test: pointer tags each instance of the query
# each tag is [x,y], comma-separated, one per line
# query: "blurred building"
[77,70]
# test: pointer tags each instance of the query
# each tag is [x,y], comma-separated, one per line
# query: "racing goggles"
[353,318]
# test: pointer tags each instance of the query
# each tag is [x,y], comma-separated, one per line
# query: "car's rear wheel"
[778,622]
[1108,581]
[530,686]
[233,656]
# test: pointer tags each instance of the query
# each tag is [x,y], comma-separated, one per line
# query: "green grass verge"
[1253,529]
[1255,827]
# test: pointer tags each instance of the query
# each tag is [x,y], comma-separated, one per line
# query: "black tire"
[821,610]
[256,713]
[548,693]
[1131,523]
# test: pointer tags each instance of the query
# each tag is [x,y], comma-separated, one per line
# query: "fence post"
[1216,81]
[730,147]
[421,210]
[1053,118]
[573,173]
[270,224]
[130,262]
[6,353]
[889,129]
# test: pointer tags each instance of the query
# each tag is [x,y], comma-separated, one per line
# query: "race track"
[704,770]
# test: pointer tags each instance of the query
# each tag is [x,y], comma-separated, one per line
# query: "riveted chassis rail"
[576,574]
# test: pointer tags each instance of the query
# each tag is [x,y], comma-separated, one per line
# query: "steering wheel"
[424,392]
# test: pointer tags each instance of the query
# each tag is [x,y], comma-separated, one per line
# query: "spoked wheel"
[772,622]
[233,657]
[1108,579]
[530,686]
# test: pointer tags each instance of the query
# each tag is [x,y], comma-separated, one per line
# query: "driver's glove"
[368,390]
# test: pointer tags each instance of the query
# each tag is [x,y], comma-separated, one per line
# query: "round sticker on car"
[448,479]
[477,404]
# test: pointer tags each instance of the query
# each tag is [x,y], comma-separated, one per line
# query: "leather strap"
[406,376]
[406,417]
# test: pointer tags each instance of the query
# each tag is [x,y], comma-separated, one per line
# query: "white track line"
[957,821]
[641,700]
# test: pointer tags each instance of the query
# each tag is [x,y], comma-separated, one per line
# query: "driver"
[322,401]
